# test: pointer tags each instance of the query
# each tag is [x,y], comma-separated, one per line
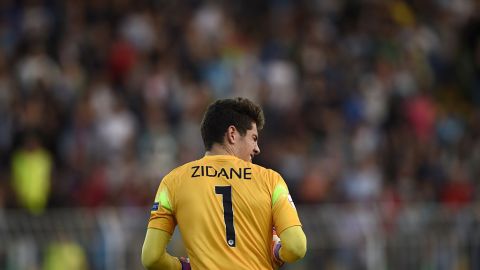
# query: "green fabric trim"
[164,201]
[277,192]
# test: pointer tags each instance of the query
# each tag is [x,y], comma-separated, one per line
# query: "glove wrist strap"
[276,252]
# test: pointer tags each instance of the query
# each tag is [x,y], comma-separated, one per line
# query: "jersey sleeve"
[162,214]
[284,212]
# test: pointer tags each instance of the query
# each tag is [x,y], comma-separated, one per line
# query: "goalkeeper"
[229,210]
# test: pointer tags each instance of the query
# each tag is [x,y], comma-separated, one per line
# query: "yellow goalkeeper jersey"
[225,209]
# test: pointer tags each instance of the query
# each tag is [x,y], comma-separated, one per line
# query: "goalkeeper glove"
[276,245]
[185,263]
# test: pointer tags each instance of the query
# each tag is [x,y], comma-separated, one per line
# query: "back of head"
[239,112]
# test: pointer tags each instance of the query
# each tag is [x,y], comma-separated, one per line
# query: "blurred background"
[372,117]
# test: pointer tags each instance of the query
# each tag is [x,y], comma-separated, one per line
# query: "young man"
[226,207]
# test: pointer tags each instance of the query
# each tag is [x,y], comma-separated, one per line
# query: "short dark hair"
[239,112]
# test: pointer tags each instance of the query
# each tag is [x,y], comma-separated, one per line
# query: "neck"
[220,149]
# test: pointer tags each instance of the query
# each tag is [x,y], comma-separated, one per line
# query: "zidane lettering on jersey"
[229,173]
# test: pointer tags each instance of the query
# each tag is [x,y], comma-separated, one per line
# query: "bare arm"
[154,254]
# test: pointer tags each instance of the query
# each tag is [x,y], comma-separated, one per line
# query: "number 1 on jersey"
[226,192]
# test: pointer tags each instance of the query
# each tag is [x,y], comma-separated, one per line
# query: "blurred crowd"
[365,101]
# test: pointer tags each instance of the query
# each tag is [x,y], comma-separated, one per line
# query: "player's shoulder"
[179,171]
[265,171]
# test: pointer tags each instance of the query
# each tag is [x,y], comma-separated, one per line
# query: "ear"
[231,134]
